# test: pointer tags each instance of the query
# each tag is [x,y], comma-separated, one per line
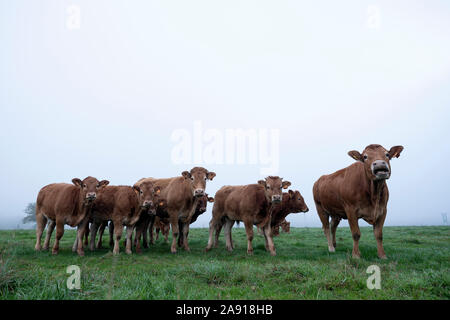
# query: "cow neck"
[81,205]
[376,190]
[268,218]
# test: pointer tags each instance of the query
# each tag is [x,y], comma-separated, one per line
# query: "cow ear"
[285,184]
[210,199]
[186,174]
[356,155]
[77,182]
[395,152]
[211,175]
[157,190]
[262,182]
[136,188]
[103,183]
[291,194]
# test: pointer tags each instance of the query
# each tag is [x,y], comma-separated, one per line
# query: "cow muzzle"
[380,169]
[91,196]
[147,204]
[276,198]
[199,192]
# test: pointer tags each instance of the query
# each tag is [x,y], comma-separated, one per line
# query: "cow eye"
[387,155]
[365,157]
[205,178]
[84,186]
[192,178]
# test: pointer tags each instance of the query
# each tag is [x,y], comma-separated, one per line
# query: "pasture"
[418,267]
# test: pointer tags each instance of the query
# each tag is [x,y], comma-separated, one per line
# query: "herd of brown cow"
[358,191]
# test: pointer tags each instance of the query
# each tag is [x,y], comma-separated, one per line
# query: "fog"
[102,87]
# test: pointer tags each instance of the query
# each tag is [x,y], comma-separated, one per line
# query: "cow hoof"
[80,253]
[187,249]
[273,253]
[383,257]
[356,256]
[115,253]
[128,251]
[54,252]
[250,252]
[331,249]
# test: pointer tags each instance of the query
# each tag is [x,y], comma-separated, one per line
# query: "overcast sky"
[99,88]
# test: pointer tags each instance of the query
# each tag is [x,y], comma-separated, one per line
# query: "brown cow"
[292,202]
[145,221]
[358,191]
[200,209]
[251,204]
[63,203]
[285,226]
[182,194]
[122,205]
[163,225]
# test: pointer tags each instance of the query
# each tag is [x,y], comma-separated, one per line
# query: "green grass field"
[417,268]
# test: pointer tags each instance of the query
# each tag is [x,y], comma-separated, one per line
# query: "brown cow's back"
[240,203]
[60,197]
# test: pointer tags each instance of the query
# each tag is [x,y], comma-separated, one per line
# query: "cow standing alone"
[358,191]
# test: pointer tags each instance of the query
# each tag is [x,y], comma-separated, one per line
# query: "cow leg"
[41,221]
[129,234]
[269,240]
[118,230]
[356,233]
[212,227]
[86,237]
[180,236]
[156,234]
[227,231]
[93,231]
[334,224]
[111,233]
[137,238]
[59,234]
[50,227]
[378,232]
[185,235]
[174,223]
[145,234]
[249,231]
[219,226]
[101,230]
[324,218]
[82,229]
[149,229]
[166,234]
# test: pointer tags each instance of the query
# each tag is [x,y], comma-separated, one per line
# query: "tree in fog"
[30,213]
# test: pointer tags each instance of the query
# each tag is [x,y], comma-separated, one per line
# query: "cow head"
[203,202]
[89,187]
[197,178]
[148,195]
[296,203]
[376,160]
[273,187]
